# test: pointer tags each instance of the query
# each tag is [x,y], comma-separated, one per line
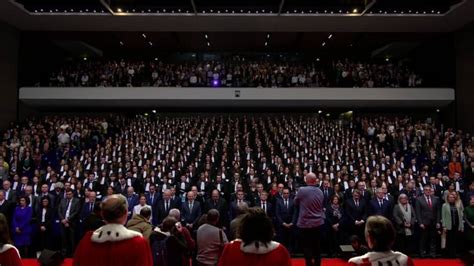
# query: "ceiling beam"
[367,7]
[280,7]
[107,6]
[193,4]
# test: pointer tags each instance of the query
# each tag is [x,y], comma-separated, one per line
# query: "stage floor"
[326,262]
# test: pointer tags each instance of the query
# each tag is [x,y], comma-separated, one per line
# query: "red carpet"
[326,262]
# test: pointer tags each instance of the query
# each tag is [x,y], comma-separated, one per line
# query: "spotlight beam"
[193,4]
[107,6]
[280,7]
[368,7]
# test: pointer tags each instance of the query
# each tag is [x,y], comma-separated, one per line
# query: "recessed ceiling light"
[317,59]
[150,43]
[320,111]
[144,36]
[323,44]
[330,36]
[355,10]
[268,35]
[121,43]
[266,43]
[208,44]
[205,36]
[156,58]
[119,10]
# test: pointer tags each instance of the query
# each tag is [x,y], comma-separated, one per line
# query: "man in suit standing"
[68,213]
[284,216]
[163,208]
[6,208]
[235,205]
[265,205]
[218,203]
[379,205]
[152,199]
[428,215]
[10,194]
[356,214]
[328,192]
[191,211]
[132,200]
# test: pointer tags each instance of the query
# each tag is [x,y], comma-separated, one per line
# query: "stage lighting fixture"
[317,59]
[266,43]
[355,10]
[156,58]
[320,111]
[150,43]
[205,36]
[323,44]
[387,59]
[85,58]
[208,44]
[328,114]
[121,43]
[437,110]
[153,111]
[144,36]
[215,83]
[330,36]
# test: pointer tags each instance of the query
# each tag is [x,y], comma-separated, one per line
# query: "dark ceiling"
[239,6]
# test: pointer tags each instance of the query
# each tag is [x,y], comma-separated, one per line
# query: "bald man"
[309,201]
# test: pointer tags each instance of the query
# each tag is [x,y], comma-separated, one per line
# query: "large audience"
[56,169]
[234,73]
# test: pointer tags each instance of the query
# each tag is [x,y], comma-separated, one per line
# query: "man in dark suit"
[122,186]
[265,204]
[284,217]
[222,186]
[68,213]
[328,192]
[379,205]
[434,184]
[428,215]
[234,205]
[175,199]
[132,200]
[356,214]
[163,208]
[20,189]
[220,204]
[183,186]
[152,199]
[10,194]
[191,210]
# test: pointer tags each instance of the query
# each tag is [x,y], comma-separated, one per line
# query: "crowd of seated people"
[56,169]
[340,73]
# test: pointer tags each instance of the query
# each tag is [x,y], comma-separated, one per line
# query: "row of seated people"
[340,73]
[250,153]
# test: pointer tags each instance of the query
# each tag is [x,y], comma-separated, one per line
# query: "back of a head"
[175,213]
[255,226]
[168,224]
[114,207]
[213,216]
[145,212]
[380,233]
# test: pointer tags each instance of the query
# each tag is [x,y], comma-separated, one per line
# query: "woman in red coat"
[9,255]
[255,246]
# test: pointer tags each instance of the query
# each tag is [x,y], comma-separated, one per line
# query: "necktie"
[90,206]
[357,203]
[151,199]
[190,207]
[326,193]
[264,207]
[286,204]
[429,201]
[166,205]
[380,203]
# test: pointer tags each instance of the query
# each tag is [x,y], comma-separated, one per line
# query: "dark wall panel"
[8,74]
[465,79]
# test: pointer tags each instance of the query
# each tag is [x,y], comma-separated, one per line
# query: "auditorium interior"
[193,106]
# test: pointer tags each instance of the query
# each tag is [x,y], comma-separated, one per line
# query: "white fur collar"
[8,247]
[112,233]
[262,249]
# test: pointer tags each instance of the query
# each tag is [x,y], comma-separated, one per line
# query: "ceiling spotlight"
[437,110]
[241,11]
[323,44]
[94,11]
[150,43]
[263,10]
[233,12]
[36,11]
[153,111]
[218,11]
[266,43]
[432,11]
[144,36]
[226,10]
[42,10]
[268,35]
[320,111]
[85,58]
[205,36]
[394,11]
[424,12]
[179,10]
[164,10]
[87,10]
[208,44]
[317,59]
[133,10]
[328,114]
[387,59]
[295,10]
[156,58]
[211,10]
[121,43]
[340,11]
[439,12]
[409,11]
[149,10]
[330,36]
[355,10]
[325,11]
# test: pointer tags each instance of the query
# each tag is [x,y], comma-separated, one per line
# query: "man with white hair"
[309,202]
[190,243]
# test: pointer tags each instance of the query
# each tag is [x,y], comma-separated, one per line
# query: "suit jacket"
[354,213]
[233,209]
[132,201]
[86,211]
[7,209]
[284,214]
[327,195]
[399,219]
[160,214]
[11,196]
[222,207]
[73,211]
[376,209]
[426,215]
[48,218]
[269,206]
[190,216]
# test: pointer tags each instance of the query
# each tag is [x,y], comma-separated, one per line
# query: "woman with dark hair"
[334,213]
[255,246]
[45,222]
[21,225]
[9,255]
[380,236]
